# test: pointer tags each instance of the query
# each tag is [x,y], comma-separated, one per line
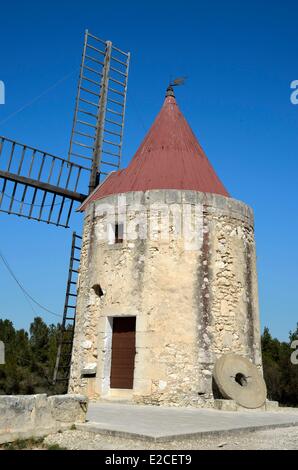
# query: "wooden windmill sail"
[43,187]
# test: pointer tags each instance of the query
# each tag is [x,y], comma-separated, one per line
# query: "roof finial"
[170,91]
[176,82]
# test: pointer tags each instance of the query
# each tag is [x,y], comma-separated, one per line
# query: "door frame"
[107,354]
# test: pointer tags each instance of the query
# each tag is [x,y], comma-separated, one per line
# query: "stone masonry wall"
[26,416]
[191,305]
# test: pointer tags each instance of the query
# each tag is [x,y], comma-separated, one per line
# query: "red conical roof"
[170,157]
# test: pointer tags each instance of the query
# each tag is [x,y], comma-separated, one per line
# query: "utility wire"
[45,92]
[26,298]
[5,262]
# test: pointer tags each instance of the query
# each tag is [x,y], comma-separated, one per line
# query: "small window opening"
[241,379]
[98,290]
[118,233]
[88,375]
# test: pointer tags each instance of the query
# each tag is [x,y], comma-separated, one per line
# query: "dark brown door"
[123,352]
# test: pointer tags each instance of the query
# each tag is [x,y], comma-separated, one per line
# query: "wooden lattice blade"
[39,186]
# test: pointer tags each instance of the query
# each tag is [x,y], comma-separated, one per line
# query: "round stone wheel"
[240,380]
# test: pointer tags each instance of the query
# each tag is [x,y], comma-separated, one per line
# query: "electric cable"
[5,262]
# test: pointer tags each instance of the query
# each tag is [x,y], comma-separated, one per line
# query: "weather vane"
[176,82]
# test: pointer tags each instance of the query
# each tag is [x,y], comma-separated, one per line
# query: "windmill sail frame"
[40,186]
[64,351]
[98,123]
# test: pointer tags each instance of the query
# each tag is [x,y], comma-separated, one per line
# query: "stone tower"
[168,280]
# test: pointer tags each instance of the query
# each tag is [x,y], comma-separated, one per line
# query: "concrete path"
[165,423]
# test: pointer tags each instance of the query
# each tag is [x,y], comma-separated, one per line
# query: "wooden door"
[123,352]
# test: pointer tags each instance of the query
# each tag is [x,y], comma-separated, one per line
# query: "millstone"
[240,380]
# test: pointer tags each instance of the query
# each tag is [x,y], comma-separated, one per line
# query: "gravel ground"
[279,438]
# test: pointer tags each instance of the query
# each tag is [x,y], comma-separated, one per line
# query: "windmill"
[43,187]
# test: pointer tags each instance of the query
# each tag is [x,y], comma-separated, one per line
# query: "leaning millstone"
[240,380]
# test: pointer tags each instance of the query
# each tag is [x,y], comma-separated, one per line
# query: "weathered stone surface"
[240,380]
[271,405]
[225,405]
[192,303]
[24,416]
[89,368]
[18,411]
[68,408]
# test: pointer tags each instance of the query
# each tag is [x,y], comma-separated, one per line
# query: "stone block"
[68,408]
[251,410]
[127,198]
[26,416]
[173,196]
[271,405]
[189,197]
[86,344]
[17,412]
[42,414]
[89,368]
[225,405]
[139,197]
[155,196]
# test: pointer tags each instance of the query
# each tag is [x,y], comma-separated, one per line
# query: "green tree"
[281,376]
[30,358]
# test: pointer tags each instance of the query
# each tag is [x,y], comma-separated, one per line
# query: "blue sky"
[240,58]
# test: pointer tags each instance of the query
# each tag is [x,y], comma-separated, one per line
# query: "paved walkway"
[165,423]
